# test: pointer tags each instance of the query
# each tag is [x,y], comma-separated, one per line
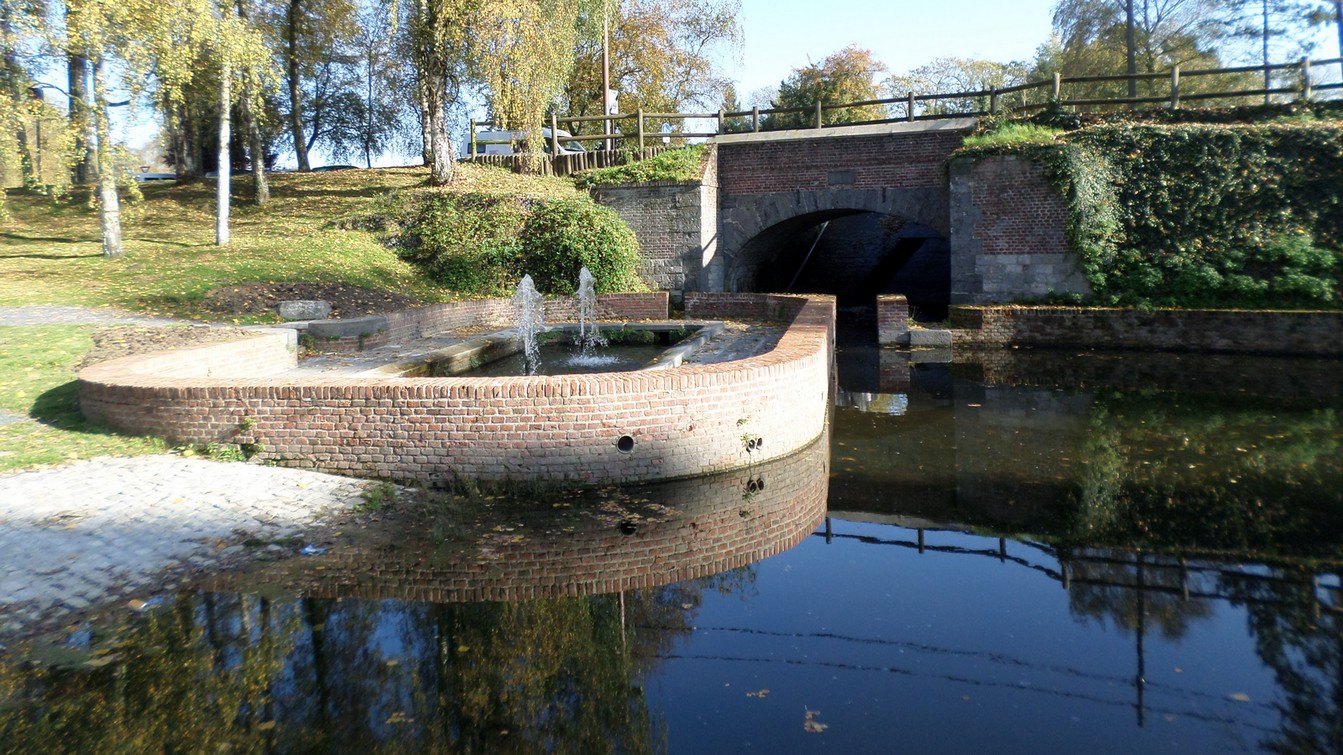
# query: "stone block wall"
[1009,233]
[593,429]
[1227,331]
[676,223]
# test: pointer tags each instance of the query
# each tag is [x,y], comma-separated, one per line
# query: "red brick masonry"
[1304,333]
[683,422]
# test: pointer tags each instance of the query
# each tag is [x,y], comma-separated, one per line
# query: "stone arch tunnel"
[854,255]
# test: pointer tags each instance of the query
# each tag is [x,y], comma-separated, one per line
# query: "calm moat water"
[1019,552]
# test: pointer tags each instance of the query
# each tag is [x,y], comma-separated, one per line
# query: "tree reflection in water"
[245,674]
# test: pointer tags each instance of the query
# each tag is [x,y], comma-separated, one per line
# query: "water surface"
[1020,552]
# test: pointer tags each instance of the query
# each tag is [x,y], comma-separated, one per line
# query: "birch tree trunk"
[223,184]
[109,205]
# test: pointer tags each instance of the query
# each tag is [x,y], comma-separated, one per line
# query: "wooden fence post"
[1056,94]
[909,107]
[1175,88]
[1305,79]
[555,135]
[720,120]
[993,102]
[819,122]
[641,129]
[473,139]
[755,119]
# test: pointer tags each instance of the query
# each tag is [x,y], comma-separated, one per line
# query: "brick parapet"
[892,320]
[1304,333]
[435,319]
[685,421]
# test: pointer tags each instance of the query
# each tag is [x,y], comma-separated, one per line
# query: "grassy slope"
[50,253]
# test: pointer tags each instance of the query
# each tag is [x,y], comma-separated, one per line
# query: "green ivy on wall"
[1198,214]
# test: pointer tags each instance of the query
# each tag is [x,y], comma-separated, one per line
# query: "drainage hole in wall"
[625,444]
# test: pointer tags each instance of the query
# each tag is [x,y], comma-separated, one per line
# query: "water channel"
[1015,552]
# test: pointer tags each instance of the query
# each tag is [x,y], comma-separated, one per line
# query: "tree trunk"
[1338,21]
[295,96]
[109,205]
[443,166]
[1268,76]
[426,126]
[223,184]
[1131,43]
[254,146]
[16,80]
[257,150]
[77,80]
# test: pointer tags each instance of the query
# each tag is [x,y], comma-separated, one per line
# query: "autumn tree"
[951,75]
[436,35]
[849,75]
[522,52]
[664,55]
[20,100]
[1094,39]
[311,38]
[1273,28]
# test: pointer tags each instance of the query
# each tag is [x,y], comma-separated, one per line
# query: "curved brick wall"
[685,421]
[704,526]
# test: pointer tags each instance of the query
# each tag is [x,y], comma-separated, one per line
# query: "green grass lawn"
[50,253]
[50,250]
[37,384]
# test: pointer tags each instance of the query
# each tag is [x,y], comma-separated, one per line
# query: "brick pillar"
[892,320]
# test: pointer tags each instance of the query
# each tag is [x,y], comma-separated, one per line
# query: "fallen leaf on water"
[1239,697]
[760,693]
[811,725]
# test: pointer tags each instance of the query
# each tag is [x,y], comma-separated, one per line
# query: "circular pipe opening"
[625,444]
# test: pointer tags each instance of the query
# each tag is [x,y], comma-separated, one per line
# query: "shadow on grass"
[59,408]
[49,240]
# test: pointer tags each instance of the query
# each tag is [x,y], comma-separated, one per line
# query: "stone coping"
[589,429]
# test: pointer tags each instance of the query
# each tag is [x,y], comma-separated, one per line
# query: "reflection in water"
[506,657]
[1024,552]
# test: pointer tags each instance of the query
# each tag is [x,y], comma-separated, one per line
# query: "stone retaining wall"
[592,429]
[1227,331]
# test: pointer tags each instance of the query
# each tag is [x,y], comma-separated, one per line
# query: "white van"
[490,142]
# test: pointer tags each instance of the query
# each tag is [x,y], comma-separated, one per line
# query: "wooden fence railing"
[1171,89]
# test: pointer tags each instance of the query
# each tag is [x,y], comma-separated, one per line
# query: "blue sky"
[781,35]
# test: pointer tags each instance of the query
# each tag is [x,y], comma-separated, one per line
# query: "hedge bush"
[1200,215]
[481,244]
[564,235]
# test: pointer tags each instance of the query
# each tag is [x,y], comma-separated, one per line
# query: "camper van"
[490,142]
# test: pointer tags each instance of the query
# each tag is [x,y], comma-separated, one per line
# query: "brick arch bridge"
[772,184]
[999,226]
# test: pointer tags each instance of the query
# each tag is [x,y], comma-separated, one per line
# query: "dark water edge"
[1021,551]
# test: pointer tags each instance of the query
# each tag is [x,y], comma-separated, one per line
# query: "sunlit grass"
[1014,133]
[51,251]
[37,383]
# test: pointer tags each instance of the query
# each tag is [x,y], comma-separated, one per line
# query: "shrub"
[681,164]
[467,242]
[564,235]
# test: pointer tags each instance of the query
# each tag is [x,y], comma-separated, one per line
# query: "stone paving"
[55,314]
[97,532]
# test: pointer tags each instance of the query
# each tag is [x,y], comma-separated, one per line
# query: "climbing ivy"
[1202,215]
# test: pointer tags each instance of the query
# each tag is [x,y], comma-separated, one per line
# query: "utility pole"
[606,72]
